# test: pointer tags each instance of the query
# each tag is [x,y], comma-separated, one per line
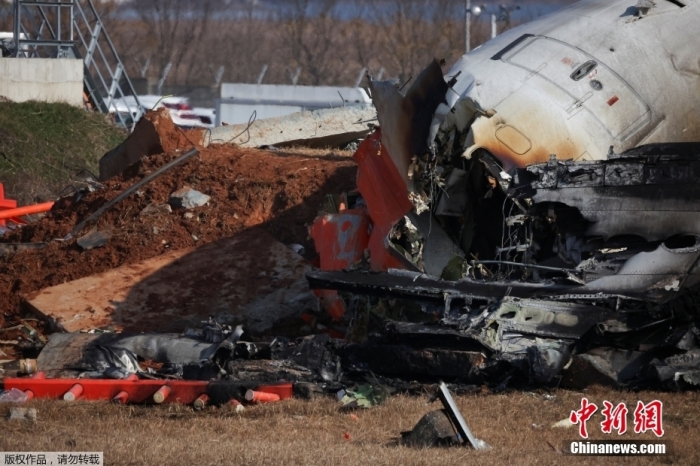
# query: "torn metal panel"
[655,197]
[456,416]
[384,192]
[143,141]
[405,119]
[574,84]
[249,279]
[405,284]
[438,249]
[395,360]
[335,127]
[656,275]
[542,318]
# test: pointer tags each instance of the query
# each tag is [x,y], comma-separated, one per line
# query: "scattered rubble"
[505,272]
[436,258]
[188,198]
[23,414]
[280,192]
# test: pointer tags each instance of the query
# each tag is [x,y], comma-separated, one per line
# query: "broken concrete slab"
[335,127]
[249,279]
[188,198]
[144,140]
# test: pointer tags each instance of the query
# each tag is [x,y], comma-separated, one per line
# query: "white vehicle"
[180,111]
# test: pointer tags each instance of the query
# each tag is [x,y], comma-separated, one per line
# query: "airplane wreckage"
[532,215]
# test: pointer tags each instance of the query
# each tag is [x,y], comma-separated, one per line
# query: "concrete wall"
[43,79]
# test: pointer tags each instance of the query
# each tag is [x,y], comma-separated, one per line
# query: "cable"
[251,120]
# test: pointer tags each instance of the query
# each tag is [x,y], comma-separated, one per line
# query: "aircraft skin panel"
[644,85]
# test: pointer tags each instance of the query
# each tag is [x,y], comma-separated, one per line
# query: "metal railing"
[73,29]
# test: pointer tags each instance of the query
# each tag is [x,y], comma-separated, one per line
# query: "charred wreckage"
[524,218]
[529,217]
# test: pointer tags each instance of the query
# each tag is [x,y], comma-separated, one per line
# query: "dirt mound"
[280,191]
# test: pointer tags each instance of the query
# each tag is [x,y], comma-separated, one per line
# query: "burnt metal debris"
[499,273]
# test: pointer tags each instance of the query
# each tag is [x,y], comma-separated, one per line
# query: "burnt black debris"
[561,272]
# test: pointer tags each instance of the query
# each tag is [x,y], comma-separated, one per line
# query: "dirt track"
[280,191]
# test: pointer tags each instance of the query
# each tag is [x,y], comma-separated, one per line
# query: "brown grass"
[516,425]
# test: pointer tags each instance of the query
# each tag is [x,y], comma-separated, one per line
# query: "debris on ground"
[13,395]
[188,198]
[515,273]
[363,396]
[433,430]
[23,414]
[278,191]
[443,427]
[94,239]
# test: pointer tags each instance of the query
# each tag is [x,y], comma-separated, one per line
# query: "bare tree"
[173,31]
[308,31]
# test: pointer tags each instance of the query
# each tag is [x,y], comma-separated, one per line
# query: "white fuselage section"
[576,82]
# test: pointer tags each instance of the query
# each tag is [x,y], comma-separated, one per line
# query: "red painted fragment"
[341,239]
[385,194]
[613,100]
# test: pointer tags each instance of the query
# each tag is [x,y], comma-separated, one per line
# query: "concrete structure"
[334,127]
[43,79]
[239,101]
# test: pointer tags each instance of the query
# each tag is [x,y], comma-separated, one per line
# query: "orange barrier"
[5,203]
[261,397]
[201,402]
[74,393]
[283,390]
[140,391]
[162,394]
[121,398]
[26,210]
[37,376]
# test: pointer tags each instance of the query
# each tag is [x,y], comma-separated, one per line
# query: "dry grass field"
[517,425]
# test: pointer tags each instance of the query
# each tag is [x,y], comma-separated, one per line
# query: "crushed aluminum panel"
[658,274]
[655,197]
[318,128]
[644,88]
[405,119]
[438,248]
[414,285]
[248,279]
[546,318]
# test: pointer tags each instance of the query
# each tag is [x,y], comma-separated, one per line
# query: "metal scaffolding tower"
[73,29]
